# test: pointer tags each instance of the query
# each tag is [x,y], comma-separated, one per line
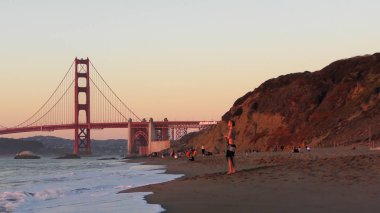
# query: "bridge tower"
[82,125]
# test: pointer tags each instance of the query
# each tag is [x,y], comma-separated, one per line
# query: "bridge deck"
[158,124]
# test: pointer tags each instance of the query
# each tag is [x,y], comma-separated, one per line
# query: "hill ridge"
[333,106]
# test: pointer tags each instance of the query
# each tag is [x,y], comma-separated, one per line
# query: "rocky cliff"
[338,105]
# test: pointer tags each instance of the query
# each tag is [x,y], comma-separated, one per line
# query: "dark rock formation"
[334,106]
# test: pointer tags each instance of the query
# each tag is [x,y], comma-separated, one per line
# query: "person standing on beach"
[231,147]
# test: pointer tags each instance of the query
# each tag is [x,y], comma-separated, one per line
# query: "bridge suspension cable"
[59,108]
[51,111]
[118,111]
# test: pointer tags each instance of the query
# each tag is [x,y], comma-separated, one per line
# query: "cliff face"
[334,106]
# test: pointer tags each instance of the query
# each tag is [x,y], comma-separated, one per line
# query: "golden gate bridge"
[83,101]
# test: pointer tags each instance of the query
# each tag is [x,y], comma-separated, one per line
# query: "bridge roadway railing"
[158,124]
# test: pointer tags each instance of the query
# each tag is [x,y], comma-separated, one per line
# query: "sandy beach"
[323,180]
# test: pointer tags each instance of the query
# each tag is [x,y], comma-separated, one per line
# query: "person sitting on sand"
[190,154]
[296,150]
[231,147]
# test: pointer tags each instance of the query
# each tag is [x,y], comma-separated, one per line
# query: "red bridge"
[73,106]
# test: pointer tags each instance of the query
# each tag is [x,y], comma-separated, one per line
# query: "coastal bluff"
[337,105]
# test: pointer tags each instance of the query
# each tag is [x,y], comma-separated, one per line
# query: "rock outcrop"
[338,105]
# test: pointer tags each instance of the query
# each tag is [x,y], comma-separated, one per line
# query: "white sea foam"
[123,187]
[10,200]
[48,194]
[84,185]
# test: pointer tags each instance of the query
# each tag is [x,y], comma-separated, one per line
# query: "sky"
[175,59]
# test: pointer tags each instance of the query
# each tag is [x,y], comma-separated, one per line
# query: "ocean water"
[76,185]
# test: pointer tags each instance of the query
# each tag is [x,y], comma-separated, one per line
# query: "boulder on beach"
[26,155]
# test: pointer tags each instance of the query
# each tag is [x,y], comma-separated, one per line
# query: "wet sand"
[323,180]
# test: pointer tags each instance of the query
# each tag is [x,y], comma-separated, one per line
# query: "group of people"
[230,149]
[298,149]
[189,153]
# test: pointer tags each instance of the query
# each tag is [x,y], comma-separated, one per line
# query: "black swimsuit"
[230,153]
[230,150]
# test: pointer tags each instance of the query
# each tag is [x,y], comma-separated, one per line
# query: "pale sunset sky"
[184,60]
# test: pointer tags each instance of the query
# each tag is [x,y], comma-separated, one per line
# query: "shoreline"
[323,180]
